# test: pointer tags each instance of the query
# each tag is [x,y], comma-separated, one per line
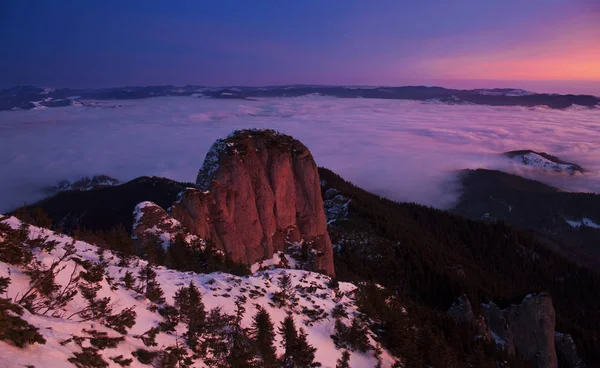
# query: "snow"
[218,289]
[534,160]
[273,262]
[585,222]
[404,150]
[499,341]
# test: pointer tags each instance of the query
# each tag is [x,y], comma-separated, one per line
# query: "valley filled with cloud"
[404,150]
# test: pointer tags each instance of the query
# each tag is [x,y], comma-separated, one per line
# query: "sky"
[540,45]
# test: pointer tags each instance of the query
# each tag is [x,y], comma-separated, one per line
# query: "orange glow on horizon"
[569,53]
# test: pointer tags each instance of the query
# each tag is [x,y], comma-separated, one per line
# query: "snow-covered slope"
[543,162]
[313,312]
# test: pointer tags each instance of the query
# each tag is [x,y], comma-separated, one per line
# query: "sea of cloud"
[405,150]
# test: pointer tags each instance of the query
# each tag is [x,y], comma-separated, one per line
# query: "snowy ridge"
[86,183]
[537,161]
[217,289]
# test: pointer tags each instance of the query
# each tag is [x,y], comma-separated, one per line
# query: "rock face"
[532,325]
[462,312]
[567,351]
[152,223]
[498,326]
[527,328]
[258,191]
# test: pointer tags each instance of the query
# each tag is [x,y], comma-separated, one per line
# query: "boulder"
[258,191]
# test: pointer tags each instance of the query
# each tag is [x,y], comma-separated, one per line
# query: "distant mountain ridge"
[31,97]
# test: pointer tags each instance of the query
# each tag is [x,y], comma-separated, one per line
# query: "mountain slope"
[58,324]
[552,214]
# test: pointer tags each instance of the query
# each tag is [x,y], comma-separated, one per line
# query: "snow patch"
[583,222]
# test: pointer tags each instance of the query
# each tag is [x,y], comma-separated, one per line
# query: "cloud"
[405,150]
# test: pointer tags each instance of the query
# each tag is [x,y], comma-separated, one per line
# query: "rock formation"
[462,312]
[526,328]
[258,191]
[498,326]
[532,325]
[567,351]
[152,223]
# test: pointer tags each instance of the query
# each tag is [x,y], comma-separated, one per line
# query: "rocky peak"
[258,192]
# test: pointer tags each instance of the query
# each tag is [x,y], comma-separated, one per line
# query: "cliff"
[258,192]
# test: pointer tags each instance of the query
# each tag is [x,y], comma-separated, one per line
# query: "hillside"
[424,258]
[121,317]
[555,216]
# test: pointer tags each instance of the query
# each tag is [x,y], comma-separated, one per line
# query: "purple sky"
[542,45]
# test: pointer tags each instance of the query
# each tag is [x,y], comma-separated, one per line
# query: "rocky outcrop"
[258,191]
[532,325]
[153,224]
[526,328]
[498,326]
[462,312]
[567,351]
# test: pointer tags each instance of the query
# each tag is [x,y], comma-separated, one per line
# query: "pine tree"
[289,335]
[188,301]
[13,248]
[286,295]
[176,356]
[304,356]
[344,361]
[13,329]
[263,333]
[179,255]
[354,337]
[241,354]
[215,341]
[149,286]
[128,280]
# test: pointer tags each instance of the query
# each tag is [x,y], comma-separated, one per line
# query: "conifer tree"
[128,280]
[149,286]
[13,329]
[241,354]
[286,295]
[188,301]
[289,335]
[304,355]
[263,334]
[344,361]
